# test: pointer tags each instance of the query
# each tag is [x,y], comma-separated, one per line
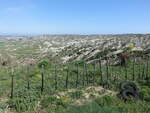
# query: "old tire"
[128,85]
[129,94]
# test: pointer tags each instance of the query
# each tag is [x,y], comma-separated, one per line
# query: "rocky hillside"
[67,48]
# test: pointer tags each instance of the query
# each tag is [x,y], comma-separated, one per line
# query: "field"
[72,88]
[73,74]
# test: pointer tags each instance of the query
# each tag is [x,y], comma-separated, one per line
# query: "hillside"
[67,48]
[75,74]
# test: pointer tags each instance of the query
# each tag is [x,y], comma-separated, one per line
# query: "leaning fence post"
[12,83]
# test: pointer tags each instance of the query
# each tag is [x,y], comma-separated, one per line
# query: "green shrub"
[24,99]
[145,93]
[79,63]
[44,64]
[106,100]
[53,104]
[93,107]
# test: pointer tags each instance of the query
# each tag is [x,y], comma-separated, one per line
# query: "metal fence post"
[67,77]
[42,73]
[77,79]
[12,83]
[55,78]
[100,68]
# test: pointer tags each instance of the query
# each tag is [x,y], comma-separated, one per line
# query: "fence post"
[55,78]
[12,83]
[94,74]
[143,71]
[77,79]
[111,71]
[126,72]
[86,73]
[147,68]
[67,76]
[133,75]
[139,74]
[28,82]
[42,73]
[100,68]
[107,70]
[83,75]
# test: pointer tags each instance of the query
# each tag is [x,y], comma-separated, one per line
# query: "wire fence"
[75,75]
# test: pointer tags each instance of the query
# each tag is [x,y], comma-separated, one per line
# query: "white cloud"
[14,10]
[19,9]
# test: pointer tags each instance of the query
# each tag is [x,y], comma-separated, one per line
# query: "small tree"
[44,64]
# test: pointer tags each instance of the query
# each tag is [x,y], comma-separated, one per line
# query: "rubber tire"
[125,94]
[119,95]
[128,85]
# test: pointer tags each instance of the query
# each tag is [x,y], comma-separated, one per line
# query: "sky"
[74,16]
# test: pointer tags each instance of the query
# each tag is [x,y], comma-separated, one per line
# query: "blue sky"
[74,16]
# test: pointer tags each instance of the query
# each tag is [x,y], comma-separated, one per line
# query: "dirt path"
[87,94]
